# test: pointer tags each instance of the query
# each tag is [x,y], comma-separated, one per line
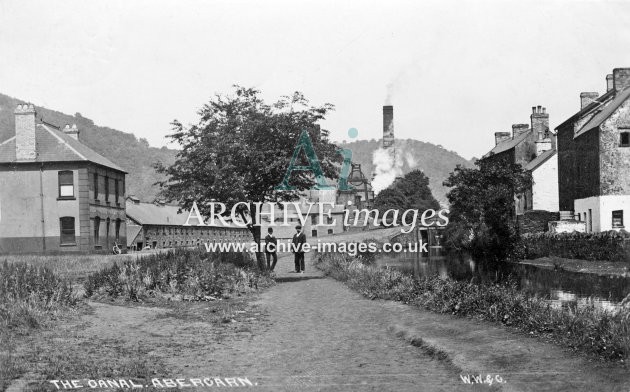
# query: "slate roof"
[604,111]
[53,145]
[600,109]
[152,214]
[507,144]
[539,160]
[597,102]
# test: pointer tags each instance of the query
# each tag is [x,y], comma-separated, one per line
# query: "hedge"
[605,246]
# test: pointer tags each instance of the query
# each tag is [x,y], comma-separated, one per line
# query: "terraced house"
[57,195]
[594,157]
[534,148]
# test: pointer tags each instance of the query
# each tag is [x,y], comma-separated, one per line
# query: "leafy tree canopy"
[240,149]
[482,210]
[408,192]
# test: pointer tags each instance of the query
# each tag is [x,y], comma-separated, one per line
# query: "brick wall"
[107,208]
[158,236]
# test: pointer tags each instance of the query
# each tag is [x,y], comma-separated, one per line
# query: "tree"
[482,212]
[390,199]
[415,187]
[239,152]
[409,192]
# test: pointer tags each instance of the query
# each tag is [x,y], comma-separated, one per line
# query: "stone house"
[594,157]
[159,225]
[534,148]
[57,194]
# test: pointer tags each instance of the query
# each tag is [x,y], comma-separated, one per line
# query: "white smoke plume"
[411,161]
[387,166]
[389,92]
[394,85]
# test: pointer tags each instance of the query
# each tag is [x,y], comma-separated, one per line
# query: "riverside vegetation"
[34,298]
[587,329]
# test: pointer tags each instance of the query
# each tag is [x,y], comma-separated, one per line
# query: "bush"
[589,329]
[29,294]
[368,257]
[191,272]
[609,246]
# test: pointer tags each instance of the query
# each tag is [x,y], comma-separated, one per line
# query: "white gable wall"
[545,185]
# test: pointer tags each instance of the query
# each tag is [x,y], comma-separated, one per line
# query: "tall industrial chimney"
[388,126]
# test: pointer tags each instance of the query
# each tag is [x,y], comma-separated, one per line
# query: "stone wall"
[525,151]
[536,221]
[567,226]
[615,160]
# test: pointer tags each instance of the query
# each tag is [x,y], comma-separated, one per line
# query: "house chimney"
[388,126]
[587,98]
[25,133]
[540,126]
[72,131]
[517,129]
[501,137]
[609,82]
[621,78]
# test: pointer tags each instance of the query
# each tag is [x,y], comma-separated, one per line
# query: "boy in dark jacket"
[271,249]
[299,239]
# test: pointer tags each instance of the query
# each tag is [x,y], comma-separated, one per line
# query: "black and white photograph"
[330,195]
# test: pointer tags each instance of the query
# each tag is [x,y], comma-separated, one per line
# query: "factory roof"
[162,214]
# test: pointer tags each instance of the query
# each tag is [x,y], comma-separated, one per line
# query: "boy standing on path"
[271,249]
[299,239]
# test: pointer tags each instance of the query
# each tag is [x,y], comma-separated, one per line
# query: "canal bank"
[607,268]
[477,347]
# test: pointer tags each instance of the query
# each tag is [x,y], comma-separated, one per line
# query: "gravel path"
[322,336]
[311,333]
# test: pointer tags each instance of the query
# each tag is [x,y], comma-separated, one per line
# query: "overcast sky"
[457,72]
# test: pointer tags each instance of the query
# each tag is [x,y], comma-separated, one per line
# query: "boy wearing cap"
[299,239]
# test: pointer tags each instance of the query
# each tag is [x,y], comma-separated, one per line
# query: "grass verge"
[587,329]
[30,297]
[74,268]
[43,338]
[191,273]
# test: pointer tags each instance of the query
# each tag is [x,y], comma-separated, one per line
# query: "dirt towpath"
[312,333]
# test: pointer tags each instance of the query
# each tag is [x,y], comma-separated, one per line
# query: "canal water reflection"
[562,288]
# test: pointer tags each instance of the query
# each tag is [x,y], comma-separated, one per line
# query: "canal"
[560,287]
